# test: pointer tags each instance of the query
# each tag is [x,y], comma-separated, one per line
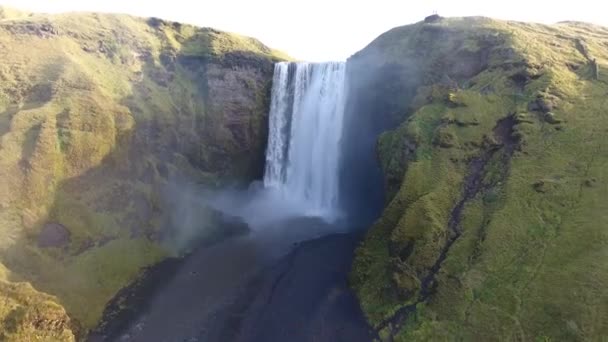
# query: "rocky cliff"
[101,117]
[495,224]
[490,146]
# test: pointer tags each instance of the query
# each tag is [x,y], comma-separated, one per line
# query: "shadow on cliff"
[384,80]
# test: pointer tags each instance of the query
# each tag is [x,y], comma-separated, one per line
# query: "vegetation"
[495,227]
[100,115]
[495,224]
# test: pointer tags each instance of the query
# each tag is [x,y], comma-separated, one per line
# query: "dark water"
[287,282]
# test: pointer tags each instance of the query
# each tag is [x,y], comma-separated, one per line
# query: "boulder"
[552,119]
[53,235]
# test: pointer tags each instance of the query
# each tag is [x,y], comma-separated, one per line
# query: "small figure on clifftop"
[433,18]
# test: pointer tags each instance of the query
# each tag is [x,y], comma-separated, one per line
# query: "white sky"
[320,30]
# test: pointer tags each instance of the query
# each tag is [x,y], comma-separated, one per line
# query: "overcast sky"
[319,30]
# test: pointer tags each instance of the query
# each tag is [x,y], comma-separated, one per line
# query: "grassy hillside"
[496,225]
[100,115]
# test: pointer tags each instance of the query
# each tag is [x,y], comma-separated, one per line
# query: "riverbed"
[287,282]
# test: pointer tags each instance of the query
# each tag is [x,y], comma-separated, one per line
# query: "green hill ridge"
[99,114]
[496,223]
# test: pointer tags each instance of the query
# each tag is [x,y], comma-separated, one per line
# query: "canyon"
[160,181]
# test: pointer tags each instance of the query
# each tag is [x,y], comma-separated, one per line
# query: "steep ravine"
[272,284]
[505,144]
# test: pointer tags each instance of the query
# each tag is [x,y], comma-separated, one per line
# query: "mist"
[313,169]
[201,215]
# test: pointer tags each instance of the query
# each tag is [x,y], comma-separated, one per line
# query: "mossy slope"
[99,114]
[496,225]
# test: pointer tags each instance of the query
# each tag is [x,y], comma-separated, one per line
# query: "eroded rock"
[552,118]
[42,30]
[53,235]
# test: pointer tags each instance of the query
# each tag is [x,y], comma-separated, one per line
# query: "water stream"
[306,122]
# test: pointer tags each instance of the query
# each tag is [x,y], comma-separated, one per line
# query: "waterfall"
[305,128]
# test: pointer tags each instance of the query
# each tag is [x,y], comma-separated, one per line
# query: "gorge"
[242,289]
[161,182]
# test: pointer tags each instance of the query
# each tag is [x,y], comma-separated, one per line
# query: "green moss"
[26,314]
[526,265]
[97,113]
[104,271]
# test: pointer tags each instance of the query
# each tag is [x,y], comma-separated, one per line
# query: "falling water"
[306,117]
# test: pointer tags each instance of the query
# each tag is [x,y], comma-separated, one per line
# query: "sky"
[321,30]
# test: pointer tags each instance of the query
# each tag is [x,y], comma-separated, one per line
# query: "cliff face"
[100,117]
[494,169]
[492,157]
